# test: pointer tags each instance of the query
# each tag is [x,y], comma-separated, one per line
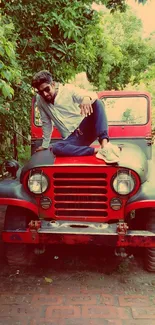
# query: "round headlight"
[38,183]
[124,182]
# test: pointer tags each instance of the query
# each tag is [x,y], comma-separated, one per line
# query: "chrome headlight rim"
[125,172]
[42,174]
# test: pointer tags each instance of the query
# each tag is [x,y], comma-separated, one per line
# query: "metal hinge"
[149,139]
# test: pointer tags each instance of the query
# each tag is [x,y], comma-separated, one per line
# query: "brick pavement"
[100,300]
[75,309]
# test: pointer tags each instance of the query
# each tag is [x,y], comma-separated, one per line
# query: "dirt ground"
[77,285]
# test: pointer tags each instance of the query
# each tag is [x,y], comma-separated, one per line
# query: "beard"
[48,99]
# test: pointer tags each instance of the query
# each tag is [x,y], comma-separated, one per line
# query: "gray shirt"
[65,113]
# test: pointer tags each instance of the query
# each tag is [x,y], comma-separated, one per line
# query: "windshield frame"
[128,96]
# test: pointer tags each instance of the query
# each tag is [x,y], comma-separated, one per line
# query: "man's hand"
[40,148]
[86,107]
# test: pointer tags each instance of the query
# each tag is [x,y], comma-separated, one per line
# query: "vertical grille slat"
[80,194]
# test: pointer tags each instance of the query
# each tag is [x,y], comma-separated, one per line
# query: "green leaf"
[48,280]
[7,90]
[6,75]
[9,50]
[1,50]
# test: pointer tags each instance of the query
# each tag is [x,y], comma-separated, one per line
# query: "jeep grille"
[80,194]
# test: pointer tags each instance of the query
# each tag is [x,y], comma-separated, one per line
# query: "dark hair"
[41,77]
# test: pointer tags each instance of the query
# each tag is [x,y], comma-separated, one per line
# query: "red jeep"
[83,200]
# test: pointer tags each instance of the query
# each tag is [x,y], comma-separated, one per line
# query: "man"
[78,115]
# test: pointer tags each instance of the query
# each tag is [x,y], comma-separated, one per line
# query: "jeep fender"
[13,193]
[144,198]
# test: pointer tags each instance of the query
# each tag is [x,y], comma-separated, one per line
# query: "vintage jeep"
[83,200]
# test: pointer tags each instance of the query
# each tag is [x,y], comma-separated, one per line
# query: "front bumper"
[72,233]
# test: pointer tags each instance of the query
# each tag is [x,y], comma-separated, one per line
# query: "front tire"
[150,252]
[16,254]
[18,218]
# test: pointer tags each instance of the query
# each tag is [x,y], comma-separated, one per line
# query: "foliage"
[9,72]
[124,55]
[9,76]
[24,154]
[12,89]
[68,39]
[65,37]
[128,116]
[149,85]
[142,1]
[52,39]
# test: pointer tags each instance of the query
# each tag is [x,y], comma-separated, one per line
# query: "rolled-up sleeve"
[46,127]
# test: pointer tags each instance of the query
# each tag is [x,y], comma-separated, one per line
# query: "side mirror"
[11,166]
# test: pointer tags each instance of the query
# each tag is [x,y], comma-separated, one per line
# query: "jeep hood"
[131,157]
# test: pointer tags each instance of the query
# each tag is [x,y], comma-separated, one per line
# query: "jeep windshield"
[131,110]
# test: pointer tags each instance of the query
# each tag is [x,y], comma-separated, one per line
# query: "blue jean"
[92,127]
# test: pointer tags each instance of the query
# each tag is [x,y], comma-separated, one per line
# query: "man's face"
[47,91]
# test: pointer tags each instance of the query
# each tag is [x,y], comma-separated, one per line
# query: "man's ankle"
[96,150]
[104,143]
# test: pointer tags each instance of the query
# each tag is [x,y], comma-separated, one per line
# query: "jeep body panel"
[145,197]
[84,233]
[12,192]
[131,157]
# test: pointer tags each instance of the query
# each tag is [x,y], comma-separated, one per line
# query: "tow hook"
[122,229]
[34,225]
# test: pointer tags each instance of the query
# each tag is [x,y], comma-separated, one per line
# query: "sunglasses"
[46,89]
